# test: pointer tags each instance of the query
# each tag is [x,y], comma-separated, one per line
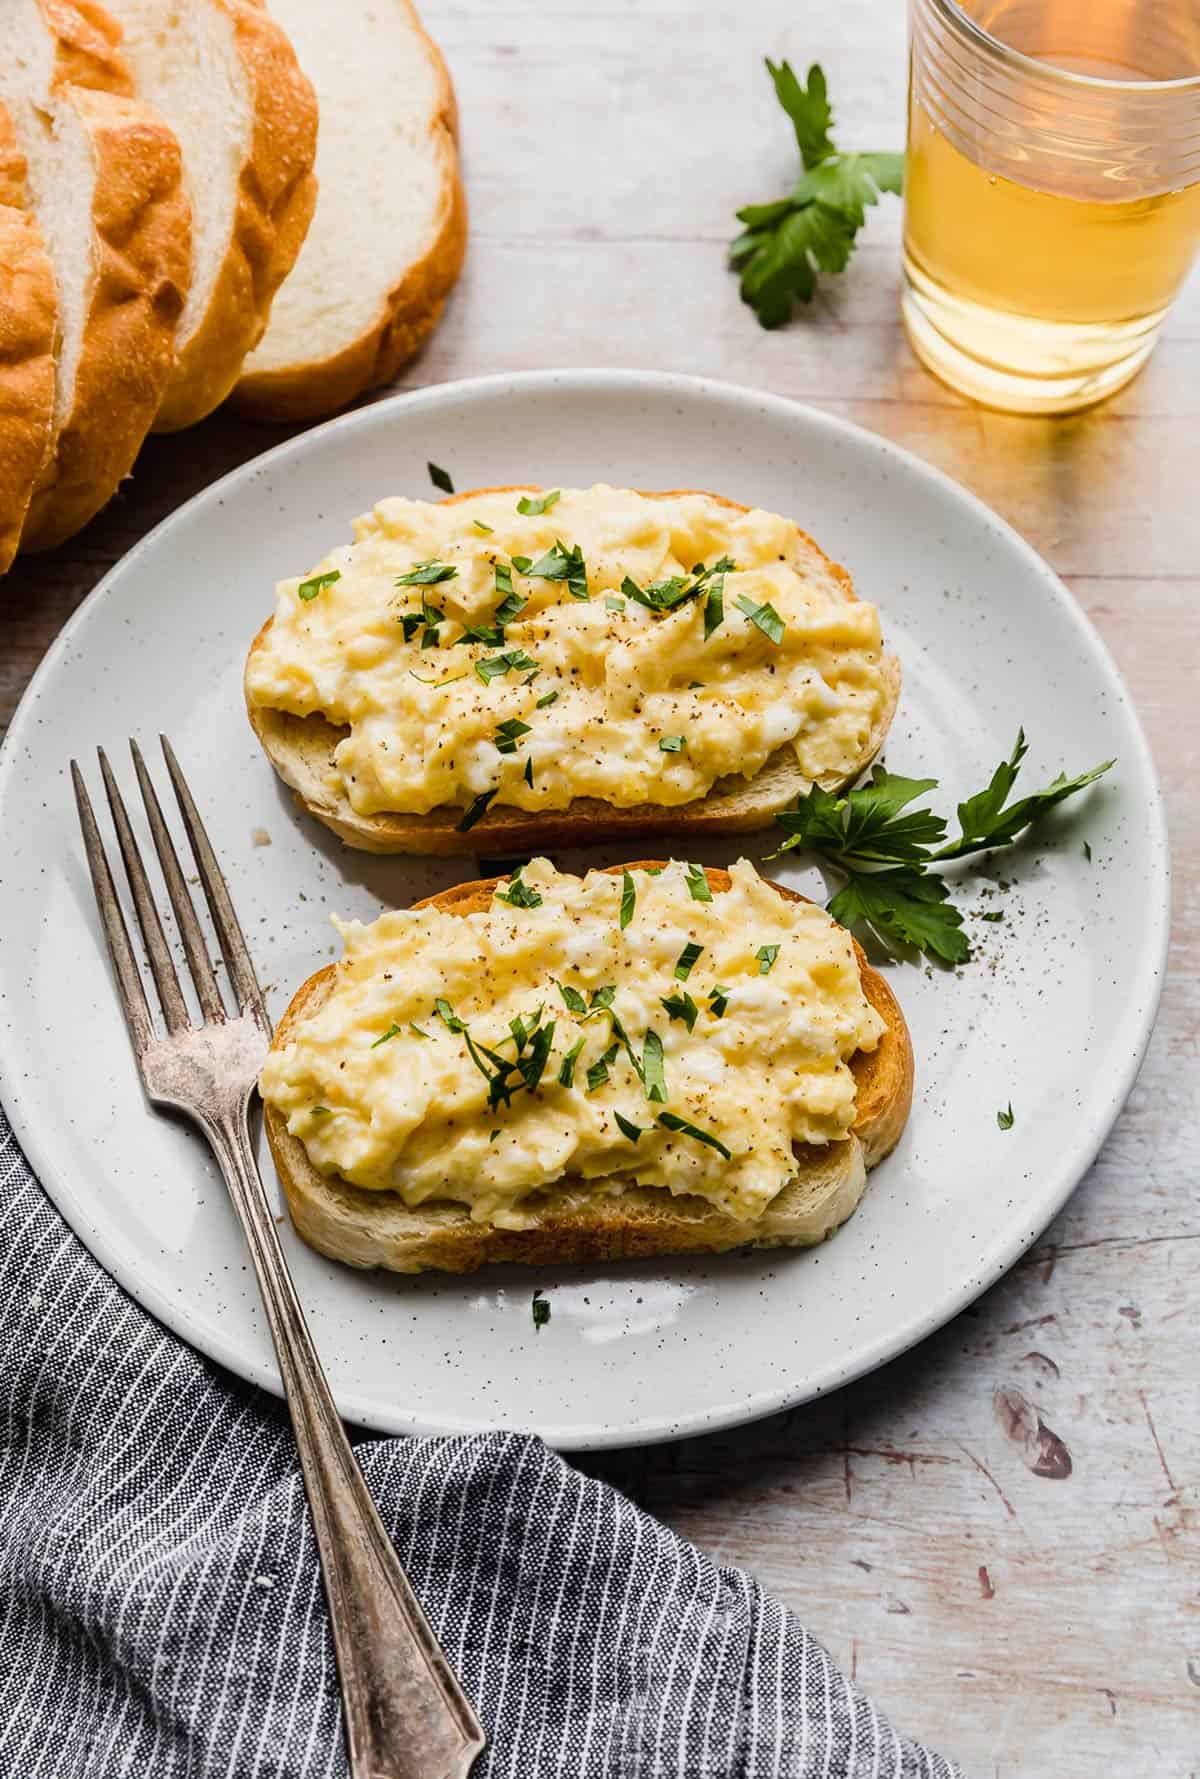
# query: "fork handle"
[406,1716]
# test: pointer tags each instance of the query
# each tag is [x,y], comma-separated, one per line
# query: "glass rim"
[983,40]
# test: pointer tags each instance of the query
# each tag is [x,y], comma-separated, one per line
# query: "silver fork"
[406,1715]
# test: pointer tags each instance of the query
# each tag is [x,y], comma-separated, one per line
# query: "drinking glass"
[1052,191]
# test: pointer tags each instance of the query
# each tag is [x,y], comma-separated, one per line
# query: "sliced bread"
[582,1221]
[225,78]
[28,321]
[387,240]
[105,183]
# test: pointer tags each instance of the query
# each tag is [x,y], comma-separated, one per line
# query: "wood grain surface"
[997,1534]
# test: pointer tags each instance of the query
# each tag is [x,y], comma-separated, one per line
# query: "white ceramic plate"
[1053,1015]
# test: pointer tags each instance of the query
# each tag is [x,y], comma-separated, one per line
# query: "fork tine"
[129,981]
[237,956]
[199,962]
[169,993]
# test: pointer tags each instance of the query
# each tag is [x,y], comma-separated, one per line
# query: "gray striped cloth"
[161,1613]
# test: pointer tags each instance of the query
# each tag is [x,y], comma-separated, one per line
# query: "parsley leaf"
[541,504]
[681,1006]
[718,999]
[566,1074]
[672,744]
[597,1075]
[628,1128]
[766,955]
[686,959]
[393,1031]
[1006,1118]
[476,809]
[519,894]
[561,564]
[697,883]
[714,606]
[787,243]
[312,586]
[480,526]
[670,1122]
[545,699]
[888,852]
[984,820]
[508,734]
[573,1001]
[628,899]
[654,1079]
[495,666]
[427,574]
[540,1310]
[764,616]
[440,478]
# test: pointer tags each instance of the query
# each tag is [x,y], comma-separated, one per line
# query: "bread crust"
[369,1229]
[408,312]
[277,192]
[28,326]
[300,748]
[142,262]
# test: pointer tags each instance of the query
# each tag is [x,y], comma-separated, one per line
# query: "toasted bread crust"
[407,314]
[299,748]
[277,192]
[28,324]
[369,1229]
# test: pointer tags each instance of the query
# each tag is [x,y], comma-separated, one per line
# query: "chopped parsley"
[416,1030]
[1005,1119]
[664,596]
[764,616]
[614,602]
[319,1111]
[1087,851]
[672,744]
[476,809]
[573,1001]
[628,899]
[686,959]
[653,1078]
[527,775]
[440,478]
[628,1128]
[508,734]
[427,574]
[428,680]
[312,586]
[566,1074]
[519,893]
[714,606]
[597,1075]
[766,955]
[480,526]
[670,1122]
[540,504]
[393,1031]
[546,699]
[681,1006]
[993,914]
[718,999]
[540,1309]
[697,883]
[561,564]
[495,666]
[506,1075]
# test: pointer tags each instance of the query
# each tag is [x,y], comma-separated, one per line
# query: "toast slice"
[105,183]
[578,1221]
[225,78]
[28,325]
[301,750]
[389,233]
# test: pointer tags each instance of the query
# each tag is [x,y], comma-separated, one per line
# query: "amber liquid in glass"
[1061,292]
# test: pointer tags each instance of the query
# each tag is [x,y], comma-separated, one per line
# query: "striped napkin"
[161,1613]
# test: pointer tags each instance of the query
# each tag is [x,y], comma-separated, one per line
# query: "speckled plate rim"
[1036,1211]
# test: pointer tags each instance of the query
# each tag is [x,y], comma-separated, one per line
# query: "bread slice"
[105,184]
[387,240]
[28,323]
[301,751]
[225,78]
[579,1221]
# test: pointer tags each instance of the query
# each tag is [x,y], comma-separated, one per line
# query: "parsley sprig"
[787,243]
[887,851]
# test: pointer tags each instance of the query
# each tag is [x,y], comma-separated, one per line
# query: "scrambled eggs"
[611,646]
[614,1028]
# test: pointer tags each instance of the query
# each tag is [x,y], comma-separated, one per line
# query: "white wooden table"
[1032,1624]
